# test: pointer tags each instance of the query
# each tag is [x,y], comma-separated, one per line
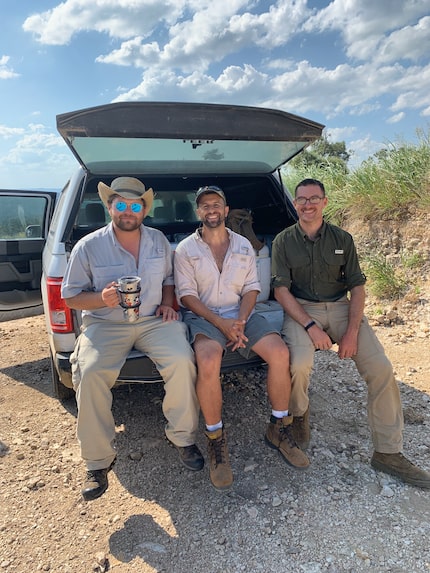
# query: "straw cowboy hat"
[127,187]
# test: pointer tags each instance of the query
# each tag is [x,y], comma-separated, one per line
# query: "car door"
[24,225]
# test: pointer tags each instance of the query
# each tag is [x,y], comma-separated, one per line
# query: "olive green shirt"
[323,270]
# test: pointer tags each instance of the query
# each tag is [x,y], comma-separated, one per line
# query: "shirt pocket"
[202,272]
[154,265]
[299,261]
[334,267]
[237,269]
[105,275]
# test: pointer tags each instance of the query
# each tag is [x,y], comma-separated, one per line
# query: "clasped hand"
[233,329]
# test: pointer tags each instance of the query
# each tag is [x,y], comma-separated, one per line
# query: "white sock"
[214,427]
[279,413]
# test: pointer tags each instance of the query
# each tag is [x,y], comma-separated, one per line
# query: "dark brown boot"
[399,466]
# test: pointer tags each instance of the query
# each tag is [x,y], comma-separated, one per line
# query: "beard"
[127,224]
[214,224]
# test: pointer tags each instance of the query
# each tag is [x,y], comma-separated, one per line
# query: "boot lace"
[286,434]
[218,450]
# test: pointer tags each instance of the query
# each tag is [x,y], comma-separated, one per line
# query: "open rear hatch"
[183,138]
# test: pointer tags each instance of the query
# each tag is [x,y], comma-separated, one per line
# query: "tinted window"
[22,217]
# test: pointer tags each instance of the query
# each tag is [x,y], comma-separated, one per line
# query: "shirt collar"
[199,233]
[305,235]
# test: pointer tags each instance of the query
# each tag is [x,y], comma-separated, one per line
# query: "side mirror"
[33,232]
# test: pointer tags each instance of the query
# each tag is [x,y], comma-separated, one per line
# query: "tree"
[324,154]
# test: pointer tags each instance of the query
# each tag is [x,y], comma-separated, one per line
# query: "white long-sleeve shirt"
[197,274]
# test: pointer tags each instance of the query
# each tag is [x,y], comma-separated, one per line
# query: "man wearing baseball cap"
[216,281]
[126,247]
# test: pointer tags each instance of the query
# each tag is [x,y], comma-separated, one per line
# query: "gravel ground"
[338,516]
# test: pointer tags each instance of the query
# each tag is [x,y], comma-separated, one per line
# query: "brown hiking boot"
[399,466]
[279,435]
[219,464]
[302,430]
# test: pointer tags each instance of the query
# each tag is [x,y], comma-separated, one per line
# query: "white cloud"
[6,72]
[363,148]
[7,132]
[412,89]
[37,158]
[255,52]
[211,34]
[396,118]
[334,134]
[364,24]
[31,144]
[409,43]
[133,52]
[117,18]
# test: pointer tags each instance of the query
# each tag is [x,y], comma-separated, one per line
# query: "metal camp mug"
[129,293]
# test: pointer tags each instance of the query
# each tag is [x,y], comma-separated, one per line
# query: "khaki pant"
[97,359]
[383,406]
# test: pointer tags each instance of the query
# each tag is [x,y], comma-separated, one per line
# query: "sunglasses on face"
[121,206]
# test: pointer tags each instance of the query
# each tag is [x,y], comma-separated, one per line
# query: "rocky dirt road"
[339,516]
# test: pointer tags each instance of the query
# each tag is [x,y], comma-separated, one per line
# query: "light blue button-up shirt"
[98,259]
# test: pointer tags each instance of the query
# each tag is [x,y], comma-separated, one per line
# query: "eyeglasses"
[121,206]
[314,200]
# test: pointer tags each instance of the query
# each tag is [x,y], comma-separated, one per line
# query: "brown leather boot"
[399,466]
[279,435]
[219,465]
[302,430]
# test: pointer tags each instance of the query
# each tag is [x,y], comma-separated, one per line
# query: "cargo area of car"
[173,213]
[175,148]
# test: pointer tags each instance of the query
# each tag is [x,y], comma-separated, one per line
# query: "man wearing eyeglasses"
[318,281]
[125,247]
[216,281]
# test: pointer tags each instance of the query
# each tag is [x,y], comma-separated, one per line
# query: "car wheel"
[60,391]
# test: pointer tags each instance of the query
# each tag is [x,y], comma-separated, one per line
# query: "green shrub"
[384,279]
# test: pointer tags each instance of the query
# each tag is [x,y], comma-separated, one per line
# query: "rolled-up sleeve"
[185,281]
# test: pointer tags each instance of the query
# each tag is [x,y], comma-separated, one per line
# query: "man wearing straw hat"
[126,248]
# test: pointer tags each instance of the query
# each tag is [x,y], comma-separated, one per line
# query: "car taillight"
[60,315]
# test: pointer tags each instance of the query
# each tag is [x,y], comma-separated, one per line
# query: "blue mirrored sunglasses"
[121,206]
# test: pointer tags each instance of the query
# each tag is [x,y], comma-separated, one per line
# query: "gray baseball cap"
[210,189]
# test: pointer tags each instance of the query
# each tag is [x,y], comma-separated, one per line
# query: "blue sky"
[360,67]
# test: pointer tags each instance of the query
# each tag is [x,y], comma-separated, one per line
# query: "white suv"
[174,148]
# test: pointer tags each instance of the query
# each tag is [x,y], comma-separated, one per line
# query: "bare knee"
[208,357]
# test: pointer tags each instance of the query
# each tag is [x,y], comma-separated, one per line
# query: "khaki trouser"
[97,359]
[383,406]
